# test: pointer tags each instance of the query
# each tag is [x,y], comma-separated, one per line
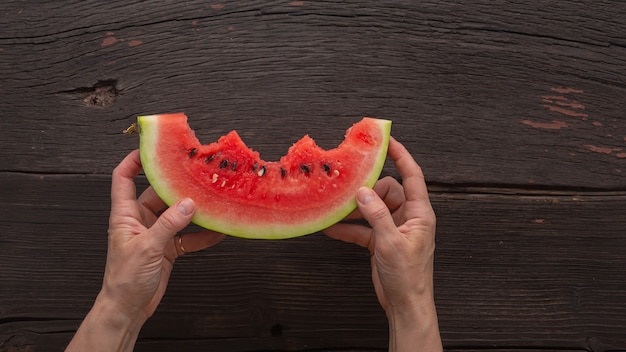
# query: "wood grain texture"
[515,110]
[536,92]
[534,271]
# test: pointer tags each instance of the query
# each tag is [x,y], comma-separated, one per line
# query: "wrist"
[117,317]
[414,327]
[107,328]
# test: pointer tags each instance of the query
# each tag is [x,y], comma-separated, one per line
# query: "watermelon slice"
[239,194]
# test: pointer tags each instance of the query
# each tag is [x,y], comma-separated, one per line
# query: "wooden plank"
[534,271]
[530,265]
[484,94]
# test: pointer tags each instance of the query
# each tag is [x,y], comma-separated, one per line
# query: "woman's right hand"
[401,242]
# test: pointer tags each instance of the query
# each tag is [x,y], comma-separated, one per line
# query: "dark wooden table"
[515,110]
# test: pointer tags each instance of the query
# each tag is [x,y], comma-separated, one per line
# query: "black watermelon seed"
[326,168]
[233,166]
[193,152]
[224,163]
[255,166]
[283,172]
[305,168]
[209,158]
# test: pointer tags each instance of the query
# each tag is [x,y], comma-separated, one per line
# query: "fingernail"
[364,195]
[185,207]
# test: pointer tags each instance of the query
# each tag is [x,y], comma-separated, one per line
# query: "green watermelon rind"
[148,130]
[147,135]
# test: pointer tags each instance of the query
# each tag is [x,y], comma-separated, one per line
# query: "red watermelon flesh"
[239,194]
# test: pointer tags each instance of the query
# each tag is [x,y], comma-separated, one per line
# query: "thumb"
[174,219]
[375,211]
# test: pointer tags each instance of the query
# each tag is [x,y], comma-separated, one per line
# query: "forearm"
[105,329]
[415,330]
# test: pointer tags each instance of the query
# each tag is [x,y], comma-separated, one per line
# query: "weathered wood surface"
[515,111]
[511,271]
